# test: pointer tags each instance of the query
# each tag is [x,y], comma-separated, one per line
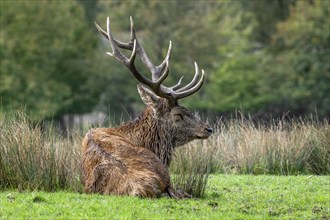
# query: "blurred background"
[267,59]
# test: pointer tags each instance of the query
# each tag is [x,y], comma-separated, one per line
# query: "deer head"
[175,124]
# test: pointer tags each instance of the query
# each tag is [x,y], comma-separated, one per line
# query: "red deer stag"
[132,159]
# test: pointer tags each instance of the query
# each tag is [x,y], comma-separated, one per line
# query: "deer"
[133,158]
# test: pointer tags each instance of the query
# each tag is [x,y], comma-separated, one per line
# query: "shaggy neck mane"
[149,132]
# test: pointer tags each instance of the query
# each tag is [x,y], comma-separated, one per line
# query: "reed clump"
[36,156]
[284,147]
[191,167]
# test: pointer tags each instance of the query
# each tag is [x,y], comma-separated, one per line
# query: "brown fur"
[112,165]
[132,159]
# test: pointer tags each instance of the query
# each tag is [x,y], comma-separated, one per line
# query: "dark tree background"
[263,57]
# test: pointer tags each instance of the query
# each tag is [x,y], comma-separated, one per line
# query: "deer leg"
[183,194]
[177,194]
[172,193]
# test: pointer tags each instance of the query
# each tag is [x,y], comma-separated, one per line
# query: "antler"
[158,73]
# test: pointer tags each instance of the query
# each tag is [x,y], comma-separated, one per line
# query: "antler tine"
[103,32]
[133,69]
[175,87]
[159,71]
[191,87]
[193,81]
[165,64]
[115,51]
[156,71]
[133,36]
[128,46]
[190,91]
[129,63]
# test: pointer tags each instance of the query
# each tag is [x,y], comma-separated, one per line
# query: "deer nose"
[209,130]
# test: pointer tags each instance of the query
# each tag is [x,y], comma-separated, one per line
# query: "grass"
[226,197]
[191,168]
[35,156]
[284,147]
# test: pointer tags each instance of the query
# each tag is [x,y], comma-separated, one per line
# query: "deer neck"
[149,132]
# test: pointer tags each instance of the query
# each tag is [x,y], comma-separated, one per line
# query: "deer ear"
[148,97]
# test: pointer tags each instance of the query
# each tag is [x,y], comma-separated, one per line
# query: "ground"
[227,197]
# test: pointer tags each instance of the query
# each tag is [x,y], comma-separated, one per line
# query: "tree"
[299,61]
[266,14]
[233,84]
[290,74]
[46,58]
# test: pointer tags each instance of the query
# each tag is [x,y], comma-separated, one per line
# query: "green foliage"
[235,81]
[290,74]
[267,14]
[264,57]
[228,197]
[46,52]
[300,59]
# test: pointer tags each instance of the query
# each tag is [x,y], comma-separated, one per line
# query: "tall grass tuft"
[36,157]
[191,168]
[282,147]
[240,146]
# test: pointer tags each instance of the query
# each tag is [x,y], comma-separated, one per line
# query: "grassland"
[278,170]
[35,156]
[226,197]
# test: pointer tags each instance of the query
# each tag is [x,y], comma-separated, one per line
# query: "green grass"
[226,197]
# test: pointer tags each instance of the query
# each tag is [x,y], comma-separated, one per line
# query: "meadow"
[226,197]
[246,170]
